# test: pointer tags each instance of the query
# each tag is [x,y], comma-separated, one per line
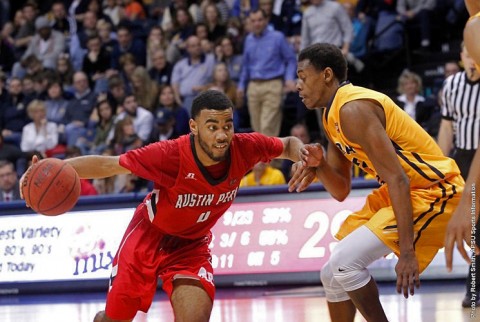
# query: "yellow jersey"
[419,155]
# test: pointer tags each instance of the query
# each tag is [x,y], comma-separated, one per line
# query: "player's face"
[311,85]
[213,132]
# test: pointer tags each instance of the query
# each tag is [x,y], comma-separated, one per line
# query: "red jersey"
[187,201]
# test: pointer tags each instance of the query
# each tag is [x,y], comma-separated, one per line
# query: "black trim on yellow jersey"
[327,109]
[437,172]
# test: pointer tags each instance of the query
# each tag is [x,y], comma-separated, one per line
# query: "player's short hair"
[210,100]
[324,55]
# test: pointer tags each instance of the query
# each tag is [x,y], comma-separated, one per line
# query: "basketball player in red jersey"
[460,227]
[406,215]
[196,178]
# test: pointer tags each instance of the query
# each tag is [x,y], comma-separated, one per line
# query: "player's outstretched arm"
[473,6]
[460,226]
[291,148]
[97,166]
[363,122]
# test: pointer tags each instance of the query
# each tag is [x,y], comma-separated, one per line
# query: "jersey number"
[203,216]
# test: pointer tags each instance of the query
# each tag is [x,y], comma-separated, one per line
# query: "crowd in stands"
[105,77]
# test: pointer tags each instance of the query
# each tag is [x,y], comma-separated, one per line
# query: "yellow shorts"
[432,209]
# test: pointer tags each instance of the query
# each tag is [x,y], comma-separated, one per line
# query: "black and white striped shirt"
[461,104]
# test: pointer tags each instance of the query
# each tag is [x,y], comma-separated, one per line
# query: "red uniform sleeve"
[265,148]
[157,162]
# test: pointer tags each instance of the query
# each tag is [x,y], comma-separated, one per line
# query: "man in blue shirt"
[268,62]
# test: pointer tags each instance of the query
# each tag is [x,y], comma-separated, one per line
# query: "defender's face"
[213,132]
[311,85]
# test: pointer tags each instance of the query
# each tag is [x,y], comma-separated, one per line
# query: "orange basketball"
[51,187]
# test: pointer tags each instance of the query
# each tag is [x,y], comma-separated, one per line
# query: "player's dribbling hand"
[408,276]
[302,177]
[34,160]
[459,230]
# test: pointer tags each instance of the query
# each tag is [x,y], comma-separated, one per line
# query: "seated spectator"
[128,44]
[13,154]
[413,103]
[116,92]
[86,186]
[9,189]
[222,82]
[418,13]
[26,27]
[142,118]
[95,64]
[13,112]
[27,87]
[161,70]
[47,44]
[60,21]
[127,66]
[7,55]
[191,73]
[144,88]
[107,37]
[226,53]
[215,27]
[125,138]
[157,40]
[184,27]
[56,106]
[263,174]
[164,128]
[78,43]
[39,135]
[113,10]
[104,127]
[79,109]
[166,100]
[65,74]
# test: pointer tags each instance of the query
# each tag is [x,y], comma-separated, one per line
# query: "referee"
[460,130]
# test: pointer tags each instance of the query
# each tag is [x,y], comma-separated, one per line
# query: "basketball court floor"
[436,301]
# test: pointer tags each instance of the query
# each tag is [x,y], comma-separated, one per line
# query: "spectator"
[133,10]
[104,30]
[86,186]
[144,88]
[95,64]
[104,126]
[183,28]
[39,135]
[116,92]
[46,45]
[13,112]
[56,106]
[7,54]
[263,174]
[60,21]
[166,100]
[9,189]
[268,61]
[226,53]
[65,73]
[13,154]
[161,70]
[127,66]
[164,127]
[113,10]
[26,29]
[418,13]
[141,117]
[326,22]
[421,109]
[125,138]
[191,73]
[78,43]
[156,41]
[170,13]
[215,27]
[242,9]
[128,44]
[274,21]
[79,109]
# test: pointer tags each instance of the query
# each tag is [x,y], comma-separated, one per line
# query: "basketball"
[51,187]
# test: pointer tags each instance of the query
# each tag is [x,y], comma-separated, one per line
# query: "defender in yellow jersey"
[407,215]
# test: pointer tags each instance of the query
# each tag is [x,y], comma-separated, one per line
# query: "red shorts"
[144,254]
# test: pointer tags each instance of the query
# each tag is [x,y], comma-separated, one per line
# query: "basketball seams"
[48,187]
[67,196]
